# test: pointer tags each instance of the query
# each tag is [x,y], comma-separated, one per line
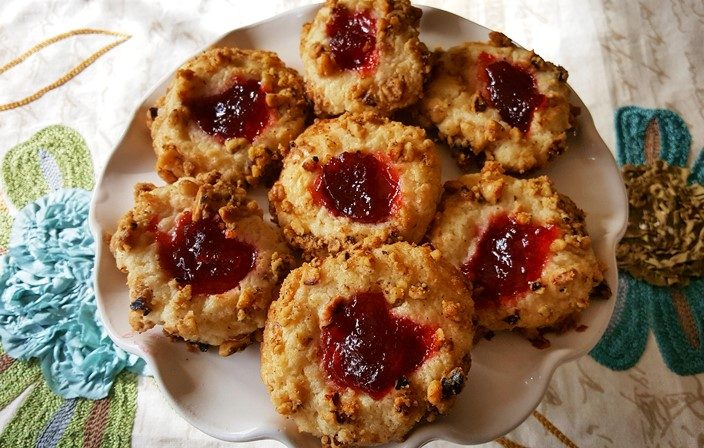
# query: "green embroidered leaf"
[74,433]
[5,226]
[55,157]
[123,409]
[32,416]
[15,377]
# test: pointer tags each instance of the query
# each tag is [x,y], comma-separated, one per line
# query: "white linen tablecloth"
[645,52]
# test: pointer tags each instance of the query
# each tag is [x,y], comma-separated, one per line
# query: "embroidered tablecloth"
[645,52]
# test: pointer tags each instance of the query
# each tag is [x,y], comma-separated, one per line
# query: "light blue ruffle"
[47,302]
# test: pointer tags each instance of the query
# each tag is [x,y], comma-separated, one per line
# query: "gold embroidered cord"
[71,73]
[552,429]
[508,443]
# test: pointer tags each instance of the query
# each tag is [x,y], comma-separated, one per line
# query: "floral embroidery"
[54,157]
[674,312]
[47,303]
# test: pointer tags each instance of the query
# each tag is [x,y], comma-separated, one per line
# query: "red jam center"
[510,89]
[238,112]
[367,348]
[357,185]
[508,258]
[198,253]
[353,40]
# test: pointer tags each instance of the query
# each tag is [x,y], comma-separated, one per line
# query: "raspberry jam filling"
[353,40]
[509,257]
[365,347]
[358,186]
[238,112]
[198,253]
[510,89]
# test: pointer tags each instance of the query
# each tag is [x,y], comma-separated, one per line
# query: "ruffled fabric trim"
[47,301]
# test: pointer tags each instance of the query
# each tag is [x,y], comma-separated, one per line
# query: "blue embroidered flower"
[675,314]
[47,303]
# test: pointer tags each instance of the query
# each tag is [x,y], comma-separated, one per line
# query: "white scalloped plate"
[224,397]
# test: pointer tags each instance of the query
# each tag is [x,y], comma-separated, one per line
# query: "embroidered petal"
[624,341]
[697,173]
[677,318]
[631,125]
[15,377]
[55,157]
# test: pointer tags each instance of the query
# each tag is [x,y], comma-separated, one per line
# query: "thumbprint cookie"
[200,261]
[354,178]
[499,101]
[230,110]
[522,245]
[363,55]
[362,346]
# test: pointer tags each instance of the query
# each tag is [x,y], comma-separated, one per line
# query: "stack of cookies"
[370,289]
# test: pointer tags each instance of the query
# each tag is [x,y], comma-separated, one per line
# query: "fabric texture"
[54,157]
[47,304]
[48,421]
[56,345]
[675,314]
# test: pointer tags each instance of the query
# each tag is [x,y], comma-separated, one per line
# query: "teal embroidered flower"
[47,303]
[661,284]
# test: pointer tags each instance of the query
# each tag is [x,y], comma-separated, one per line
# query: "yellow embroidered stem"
[71,73]
[508,443]
[552,429]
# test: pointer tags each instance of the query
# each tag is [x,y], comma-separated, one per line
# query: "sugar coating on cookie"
[522,245]
[362,346]
[230,110]
[354,178]
[500,101]
[363,55]
[200,261]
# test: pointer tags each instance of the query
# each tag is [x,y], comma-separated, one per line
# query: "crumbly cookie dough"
[183,148]
[406,150]
[395,78]
[230,319]
[455,104]
[571,270]
[417,284]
